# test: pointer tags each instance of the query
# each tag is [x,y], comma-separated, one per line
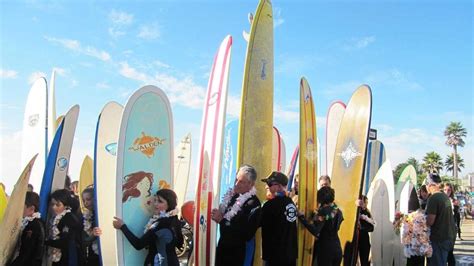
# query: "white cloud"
[233,106]
[343,88]
[149,32]
[8,74]
[60,71]
[34,76]
[102,85]
[359,43]
[277,19]
[115,33]
[76,46]
[282,115]
[120,17]
[161,64]
[74,83]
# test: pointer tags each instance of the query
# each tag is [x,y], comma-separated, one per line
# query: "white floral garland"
[152,222]
[27,219]
[87,222]
[56,252]
[238,203]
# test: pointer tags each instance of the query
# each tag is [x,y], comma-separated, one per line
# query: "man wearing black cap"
[441,220]
[279,243]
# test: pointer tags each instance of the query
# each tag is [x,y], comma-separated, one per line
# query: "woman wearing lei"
[65,231]
[162,233]
[326,223]
[90,233]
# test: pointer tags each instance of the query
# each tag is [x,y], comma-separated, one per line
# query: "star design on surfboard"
[349,154]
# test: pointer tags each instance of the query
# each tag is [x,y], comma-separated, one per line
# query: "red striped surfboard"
[210,156]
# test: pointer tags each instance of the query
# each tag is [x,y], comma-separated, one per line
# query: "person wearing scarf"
[29,249]
[65,231]
[90,233]
[279,214]
[238,217]
[162,234]
[326,223]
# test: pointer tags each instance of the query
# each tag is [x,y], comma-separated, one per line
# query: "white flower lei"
[238,203]
[56,252]
[28,219]
[87,222]
[152,222]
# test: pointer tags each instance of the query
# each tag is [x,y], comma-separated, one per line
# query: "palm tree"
[415,164]
[449,163]
[432,163]
[454,133]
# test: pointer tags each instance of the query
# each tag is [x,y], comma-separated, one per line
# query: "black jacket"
[31,245]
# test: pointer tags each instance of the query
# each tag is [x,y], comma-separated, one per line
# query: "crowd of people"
[70,237]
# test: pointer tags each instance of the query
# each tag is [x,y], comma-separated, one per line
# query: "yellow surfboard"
[3,202]
[256,116]
[307,170]
[348,165]
[86,177]
[11,224]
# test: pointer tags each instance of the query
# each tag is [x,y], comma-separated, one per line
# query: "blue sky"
[417,58]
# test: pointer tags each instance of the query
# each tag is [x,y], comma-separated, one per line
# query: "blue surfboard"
[375,159]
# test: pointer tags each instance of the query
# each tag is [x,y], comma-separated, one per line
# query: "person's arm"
[137,243]
[313,228]
[430,219]
[253,221]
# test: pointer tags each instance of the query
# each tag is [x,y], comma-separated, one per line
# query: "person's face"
[160,204]
[447,190]
[423,194]
[242,183]
[324,183]
[58,206]
[272,188]
[87,201]
[28,211]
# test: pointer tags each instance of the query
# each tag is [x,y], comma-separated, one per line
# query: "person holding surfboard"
[90,233]
[31,246]
[441,220]
[65,231]
[366,225]
[238,216]
[326,223]
[279,214]
[162,233]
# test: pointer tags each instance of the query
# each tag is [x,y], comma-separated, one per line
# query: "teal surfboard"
[144,164]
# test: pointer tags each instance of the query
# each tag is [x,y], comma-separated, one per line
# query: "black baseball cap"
[276,177]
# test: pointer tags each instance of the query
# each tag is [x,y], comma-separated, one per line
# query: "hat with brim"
[276,177]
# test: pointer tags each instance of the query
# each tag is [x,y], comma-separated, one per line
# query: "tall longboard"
[57,165]
[348,166]
[10,226]
[35,130]
[256,116]
[182,165]
[333,123]
[375,159]
[144,164]
[382,206]
[3,202]
[86,176]
[307,172]
[105,167]
[278,151]
[292,168]
[210,156]
[52,122]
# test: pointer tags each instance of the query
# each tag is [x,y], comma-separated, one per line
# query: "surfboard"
[52,123]
[182,165]
[144,164]
[307,174]
[86,177]
[210,156]
[282,155]
[256,115]
[57,164]
[105,166]
[348,166]
[3,202]
[292,168]
[35,130]
[403,193]
[375,159]
[11,224]
[277,151]
[333,123]
[382,206]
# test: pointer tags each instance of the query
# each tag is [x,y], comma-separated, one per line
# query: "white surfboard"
[333,122]
[182,165]
[52,120]
[382,206]
[35,131]
[105,161]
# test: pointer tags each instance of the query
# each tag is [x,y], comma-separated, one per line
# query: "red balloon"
[187,211]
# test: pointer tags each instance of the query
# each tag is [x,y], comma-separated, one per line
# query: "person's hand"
[117,223]
[216,215]
[300,213]
[96,231]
